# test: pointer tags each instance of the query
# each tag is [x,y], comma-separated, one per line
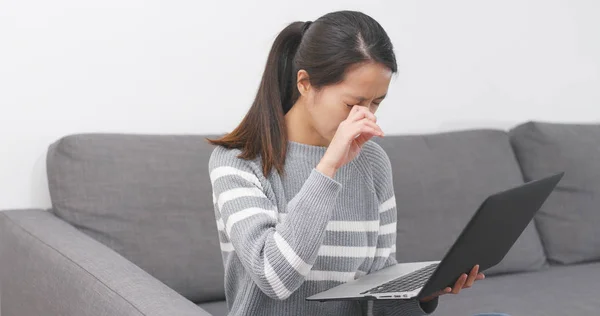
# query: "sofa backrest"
[569,221]
[147,197]
[440,180]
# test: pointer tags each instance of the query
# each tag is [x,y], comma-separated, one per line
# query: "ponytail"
[262,131]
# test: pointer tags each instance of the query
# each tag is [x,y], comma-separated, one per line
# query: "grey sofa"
[132,231]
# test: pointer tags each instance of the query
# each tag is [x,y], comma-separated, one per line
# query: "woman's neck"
[299,128]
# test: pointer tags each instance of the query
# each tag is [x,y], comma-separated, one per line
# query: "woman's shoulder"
[222,157]
[380,165]
[376,155]
[222,154]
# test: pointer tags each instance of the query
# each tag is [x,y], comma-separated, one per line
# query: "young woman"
[303,199]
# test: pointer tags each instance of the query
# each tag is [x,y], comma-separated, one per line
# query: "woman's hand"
[463,282]
[351,135]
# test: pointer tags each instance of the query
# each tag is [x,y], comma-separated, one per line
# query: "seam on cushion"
[72,261]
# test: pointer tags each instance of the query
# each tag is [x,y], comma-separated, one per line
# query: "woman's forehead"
[367,80]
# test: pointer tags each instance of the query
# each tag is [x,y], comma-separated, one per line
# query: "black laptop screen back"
[491,232]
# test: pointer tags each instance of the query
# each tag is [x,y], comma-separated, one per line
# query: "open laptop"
[489,235]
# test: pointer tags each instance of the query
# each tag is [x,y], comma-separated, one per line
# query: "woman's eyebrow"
[363,98]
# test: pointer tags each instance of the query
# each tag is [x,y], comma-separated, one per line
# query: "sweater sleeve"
[276,254]
[385,254]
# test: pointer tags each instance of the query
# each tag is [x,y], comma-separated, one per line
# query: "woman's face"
[364,84]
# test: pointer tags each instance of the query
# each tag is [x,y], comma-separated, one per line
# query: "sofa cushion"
[147,197]
[440,180]
[216,308]
[560,290]
[569,221]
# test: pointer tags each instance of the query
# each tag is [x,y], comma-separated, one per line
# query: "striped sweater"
[286,237]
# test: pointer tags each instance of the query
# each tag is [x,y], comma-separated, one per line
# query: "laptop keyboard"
[405,283]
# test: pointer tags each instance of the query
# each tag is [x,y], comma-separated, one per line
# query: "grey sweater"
[284,238]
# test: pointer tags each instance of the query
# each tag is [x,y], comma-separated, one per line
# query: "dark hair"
[325,48]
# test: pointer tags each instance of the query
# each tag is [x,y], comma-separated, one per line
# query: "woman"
[303,199]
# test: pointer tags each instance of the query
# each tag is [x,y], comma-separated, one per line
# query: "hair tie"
[306,26]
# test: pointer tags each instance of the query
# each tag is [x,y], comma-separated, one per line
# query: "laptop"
[488,236]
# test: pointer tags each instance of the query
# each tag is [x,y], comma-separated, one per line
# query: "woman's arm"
[277,255]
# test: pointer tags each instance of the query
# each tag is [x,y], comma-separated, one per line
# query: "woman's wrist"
[326,169]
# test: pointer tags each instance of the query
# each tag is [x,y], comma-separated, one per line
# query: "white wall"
[69,66]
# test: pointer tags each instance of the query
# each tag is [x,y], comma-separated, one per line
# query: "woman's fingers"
[444,291]
[361,117]
[472,277]
[465,281]
[459,284]
[440,293]
[357,129]
[365,132]
[360,112]
[366,126]
[372,124]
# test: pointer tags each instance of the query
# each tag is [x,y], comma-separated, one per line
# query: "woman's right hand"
[352,133]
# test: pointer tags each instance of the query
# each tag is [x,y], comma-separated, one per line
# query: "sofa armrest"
[47,267]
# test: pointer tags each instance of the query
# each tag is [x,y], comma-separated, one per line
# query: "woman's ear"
[303,82]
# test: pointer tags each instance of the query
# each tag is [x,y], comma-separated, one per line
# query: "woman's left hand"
[464,282]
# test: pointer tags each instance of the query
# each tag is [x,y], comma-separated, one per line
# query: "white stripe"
[238,193]
[278,287]
[227,171]
[288,253]
[282,216]
[387,205]
[214,198]
[387,229]
[370,307]
[226,247]
[338,276]
[383,252]
[372,252]
[243,214]
[353,226]
[346,226]
[220,225]
[346,251]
